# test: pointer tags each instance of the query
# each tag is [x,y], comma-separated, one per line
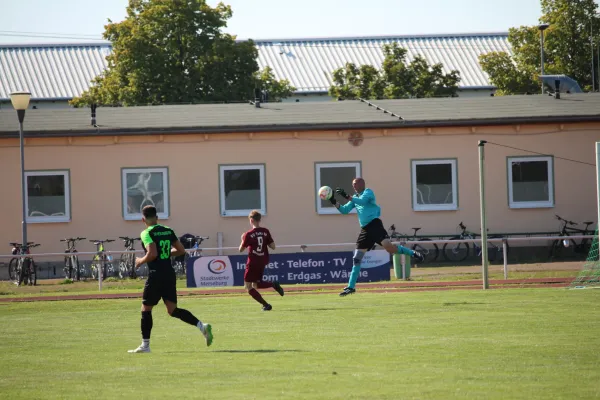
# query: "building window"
[142,187]
[242,189]
[530,182]
[48,196]
[339,174]
[434,185]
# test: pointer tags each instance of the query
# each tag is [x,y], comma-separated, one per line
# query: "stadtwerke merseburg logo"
[217,266]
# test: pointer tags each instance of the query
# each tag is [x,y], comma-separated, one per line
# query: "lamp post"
[542,28]
[20,102]
[597,15]
[592,48]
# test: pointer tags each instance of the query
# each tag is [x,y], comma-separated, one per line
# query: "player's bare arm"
[242,247]
[151,255]
[272,245]
[178,249]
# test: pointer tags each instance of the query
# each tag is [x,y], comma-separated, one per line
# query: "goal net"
[590,273]
[589,276]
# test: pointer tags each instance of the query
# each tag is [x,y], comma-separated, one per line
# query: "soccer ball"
[325,193]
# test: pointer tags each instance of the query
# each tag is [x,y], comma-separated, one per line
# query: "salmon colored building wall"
[95,165]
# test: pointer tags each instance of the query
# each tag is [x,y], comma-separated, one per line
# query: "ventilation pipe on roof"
[557,87]
[93,107]
[257,97]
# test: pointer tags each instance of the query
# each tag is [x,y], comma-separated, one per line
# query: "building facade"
[207,167]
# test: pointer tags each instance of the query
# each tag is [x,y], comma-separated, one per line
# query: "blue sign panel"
[289,268]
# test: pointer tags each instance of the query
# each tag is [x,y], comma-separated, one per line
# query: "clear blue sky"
[262,19]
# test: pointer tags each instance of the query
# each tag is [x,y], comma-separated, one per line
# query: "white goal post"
[598,181]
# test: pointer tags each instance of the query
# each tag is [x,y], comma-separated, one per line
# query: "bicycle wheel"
[13,271]
[32,273]
[186,257]
[23,270]
[68,268]
[85,270]
[131,266]
[178,267]
[125,266]
[558,249]
[586,246]
[430,250]
[495,250]
[555,249]
[456,252]
[178,264]
[109,269]
[142,271]
[95,267]
[76,274]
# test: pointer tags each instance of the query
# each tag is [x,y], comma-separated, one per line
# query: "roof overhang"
[304,127]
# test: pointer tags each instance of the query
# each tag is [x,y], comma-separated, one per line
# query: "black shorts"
[371,234]
[160,285]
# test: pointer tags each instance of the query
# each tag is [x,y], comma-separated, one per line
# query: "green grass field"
[460,344]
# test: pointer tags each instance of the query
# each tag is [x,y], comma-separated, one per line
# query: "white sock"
[145,342]
[200,326]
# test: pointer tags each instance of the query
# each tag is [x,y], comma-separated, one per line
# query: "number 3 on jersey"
[165,249]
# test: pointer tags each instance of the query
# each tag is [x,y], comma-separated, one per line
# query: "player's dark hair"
[255,215]
[149,212]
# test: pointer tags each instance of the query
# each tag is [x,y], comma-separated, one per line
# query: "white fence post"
[505,257]
[220,243]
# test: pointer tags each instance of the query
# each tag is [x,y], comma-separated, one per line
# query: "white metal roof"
[308,63]
[50,72]
[63,71]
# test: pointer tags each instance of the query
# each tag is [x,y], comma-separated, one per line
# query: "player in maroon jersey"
[258,240]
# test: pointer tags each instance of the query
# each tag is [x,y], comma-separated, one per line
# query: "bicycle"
[13,271]
[22,269]
[460,251]
[101,260]
[557,247]
[127,260]
[193,243]
[72,268]
[429,251]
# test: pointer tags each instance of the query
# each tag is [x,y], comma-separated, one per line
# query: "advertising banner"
[289,268]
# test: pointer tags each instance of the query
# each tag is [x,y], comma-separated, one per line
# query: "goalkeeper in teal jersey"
[371,228]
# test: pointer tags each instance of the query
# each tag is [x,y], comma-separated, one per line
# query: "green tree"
[351,82]
[507,76]
[566,48]
[276,89]
[396,79]
[173,51]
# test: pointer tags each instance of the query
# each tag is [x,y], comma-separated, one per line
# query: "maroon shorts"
[254,272]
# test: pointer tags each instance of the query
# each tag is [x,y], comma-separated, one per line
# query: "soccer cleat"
[207,332]
[268,307]
[278,288]
[419,257]
[347,291]
[140,349]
